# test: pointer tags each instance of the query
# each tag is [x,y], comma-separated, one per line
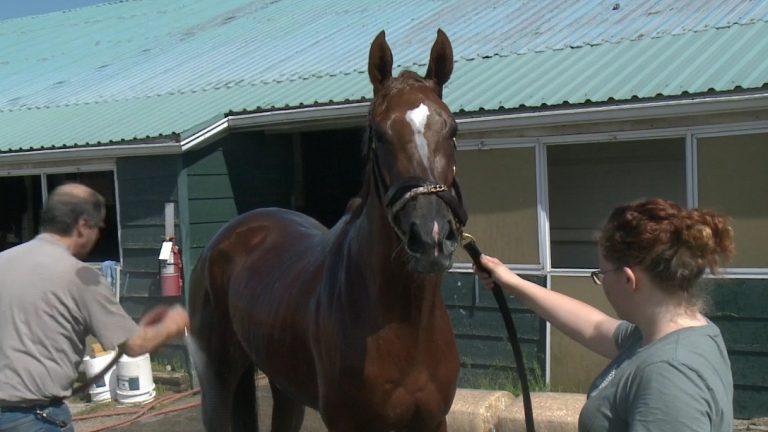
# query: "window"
[586,181]
[733,179]
[22,201]
[499,189]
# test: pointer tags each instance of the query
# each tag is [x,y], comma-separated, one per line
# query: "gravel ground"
[184,415]
[187,419]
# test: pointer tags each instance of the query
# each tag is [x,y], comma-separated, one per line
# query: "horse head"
[411,153]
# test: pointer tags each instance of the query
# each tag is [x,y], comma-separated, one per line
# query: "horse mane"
[357,203]
[406,79]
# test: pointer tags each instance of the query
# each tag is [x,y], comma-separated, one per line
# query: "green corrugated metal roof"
[139,68]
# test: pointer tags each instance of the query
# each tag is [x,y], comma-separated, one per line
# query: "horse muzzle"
[428,218]
[430,234]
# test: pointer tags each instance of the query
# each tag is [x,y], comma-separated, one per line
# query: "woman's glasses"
[599,275]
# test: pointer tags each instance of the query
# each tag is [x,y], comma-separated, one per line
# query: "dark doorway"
[332,170]
[21,200]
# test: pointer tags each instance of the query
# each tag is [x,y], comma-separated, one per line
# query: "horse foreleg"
[215,405]
[244,410]
[226,375]
[228,398]
[287,414]
[443,427]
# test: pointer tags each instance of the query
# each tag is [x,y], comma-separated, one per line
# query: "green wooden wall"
[240,173]
[740,308]
[144,185]
[487,359]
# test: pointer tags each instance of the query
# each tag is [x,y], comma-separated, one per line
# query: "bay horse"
[349,321]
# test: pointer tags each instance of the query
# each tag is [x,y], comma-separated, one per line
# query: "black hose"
[474,253]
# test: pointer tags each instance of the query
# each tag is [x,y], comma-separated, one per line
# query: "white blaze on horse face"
[417,118]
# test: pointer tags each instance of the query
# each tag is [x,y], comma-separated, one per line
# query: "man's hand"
[156,328]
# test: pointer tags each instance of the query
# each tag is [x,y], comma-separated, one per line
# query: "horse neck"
[397,289]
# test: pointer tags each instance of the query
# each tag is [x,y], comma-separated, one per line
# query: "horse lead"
[349,321]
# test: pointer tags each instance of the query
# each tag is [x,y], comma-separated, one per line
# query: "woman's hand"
[492,270]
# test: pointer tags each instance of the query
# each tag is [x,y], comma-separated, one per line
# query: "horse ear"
[440,61]
[379,63]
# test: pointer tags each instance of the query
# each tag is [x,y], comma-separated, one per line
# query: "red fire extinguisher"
[170,274]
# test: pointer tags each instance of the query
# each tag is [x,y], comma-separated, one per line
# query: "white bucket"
[134,380]
[102,390]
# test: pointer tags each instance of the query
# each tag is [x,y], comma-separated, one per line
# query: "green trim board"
[242,172]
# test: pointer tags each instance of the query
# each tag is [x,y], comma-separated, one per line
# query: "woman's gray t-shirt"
[681,382]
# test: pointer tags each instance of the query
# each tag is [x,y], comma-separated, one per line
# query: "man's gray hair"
[67,204]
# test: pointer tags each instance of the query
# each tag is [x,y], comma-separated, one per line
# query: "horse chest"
[418,399]
[409,381]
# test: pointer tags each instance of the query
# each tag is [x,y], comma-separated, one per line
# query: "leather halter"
[397,195]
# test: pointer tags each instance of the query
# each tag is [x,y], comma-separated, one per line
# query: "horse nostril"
[416,244]
[451,239]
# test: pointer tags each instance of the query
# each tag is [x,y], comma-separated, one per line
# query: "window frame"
[615,138]
[543,237]
[729,272]
[689,133]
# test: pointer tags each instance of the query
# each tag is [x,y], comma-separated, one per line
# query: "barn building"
[566,108]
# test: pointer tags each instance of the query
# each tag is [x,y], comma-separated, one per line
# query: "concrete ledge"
[472,411]
[478,410]
[552,412]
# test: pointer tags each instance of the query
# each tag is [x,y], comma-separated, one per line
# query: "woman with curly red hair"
[669,368]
